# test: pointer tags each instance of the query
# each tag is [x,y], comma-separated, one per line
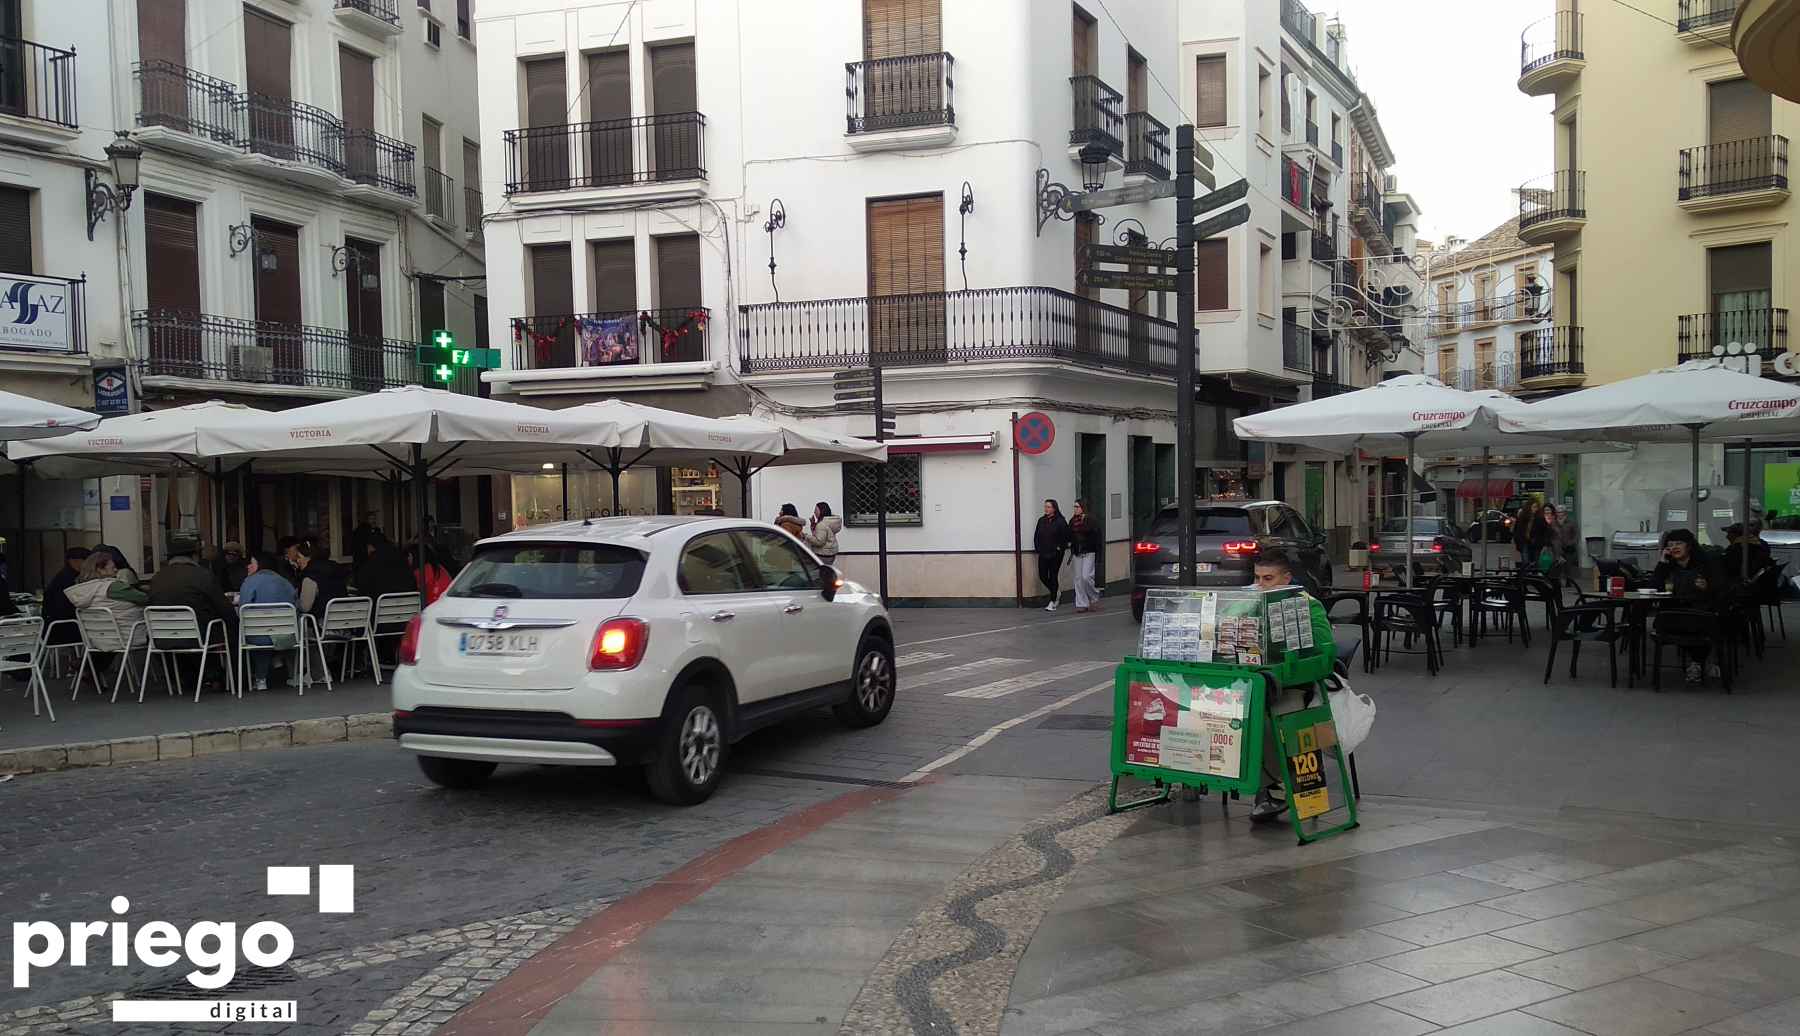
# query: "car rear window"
[550,571]
[1421,526]
[1228,520]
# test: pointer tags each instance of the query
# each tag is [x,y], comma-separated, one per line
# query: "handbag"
[1546,560]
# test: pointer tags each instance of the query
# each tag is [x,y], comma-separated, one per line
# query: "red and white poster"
[1159,732]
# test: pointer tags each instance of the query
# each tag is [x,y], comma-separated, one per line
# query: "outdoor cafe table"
[1635,607]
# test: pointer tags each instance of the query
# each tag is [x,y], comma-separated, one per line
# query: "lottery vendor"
[1275,571]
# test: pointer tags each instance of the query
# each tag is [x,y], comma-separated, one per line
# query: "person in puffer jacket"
[822,536]
[101,586]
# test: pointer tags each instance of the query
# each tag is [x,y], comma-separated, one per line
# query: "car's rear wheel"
[455,773]
[872,685]
[690,751]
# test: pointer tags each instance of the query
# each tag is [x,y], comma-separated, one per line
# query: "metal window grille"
[905,498]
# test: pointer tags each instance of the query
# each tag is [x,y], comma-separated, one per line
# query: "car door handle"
[793,609]
[723,616]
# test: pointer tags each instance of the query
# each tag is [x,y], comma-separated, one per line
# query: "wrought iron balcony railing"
[382,9]
[1296,19]
[609,153]
[1734,167]
[1553,38]
[214,348]
[291,131]
[625,337]
[1147,145]
[1296,346]
[1503,375]
[439,190]
[472,210]
[1713,336]
[1560,195]
[900,93]
[983,325]
[1323,249]
[1696,15]
[37,82]
[378,161]
[179,98]
[1097,118]
[1549,351]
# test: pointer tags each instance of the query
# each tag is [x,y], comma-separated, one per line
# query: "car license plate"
[1174,568]
[500,643]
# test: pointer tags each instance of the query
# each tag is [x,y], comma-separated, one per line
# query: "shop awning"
[1495,489]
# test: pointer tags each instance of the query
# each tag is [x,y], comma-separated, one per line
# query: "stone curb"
[366,726]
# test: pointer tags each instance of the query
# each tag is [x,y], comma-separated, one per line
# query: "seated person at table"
[1761,556]
[230,568]
[1275,570]
[385,571]
[1695,581]
[183,583]
[56,600]
[322,580]
[103,586]
[264,585]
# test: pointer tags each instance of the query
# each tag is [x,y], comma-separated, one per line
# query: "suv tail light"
[619,644]
[408,651]
[1437,546]
[1238,548]
[1375,547]
[1146,548]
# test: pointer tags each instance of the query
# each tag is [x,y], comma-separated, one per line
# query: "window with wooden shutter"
[609,136]
[172,285]
[1137,82]
[678,294]
[1212,284]
[268,56]
[906,279]
[278,355]
[162,48]
[552,303]
[15,231]
[615,276]
[1739,278]
[901,28]
[362,304]
[1209,78]
[356,86]
[674,96]
[893,32]
[1447,364]
[1736,109]
[546,154]
[162,31]
[1085,37]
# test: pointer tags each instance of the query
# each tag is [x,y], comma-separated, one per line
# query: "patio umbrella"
[1396,414]
[1700,399]
[24,417]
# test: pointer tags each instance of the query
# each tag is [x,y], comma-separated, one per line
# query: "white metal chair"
[21,649]
[100,633]
[281,625]
[348,621]
[53,653]
[392,613]
[172,630]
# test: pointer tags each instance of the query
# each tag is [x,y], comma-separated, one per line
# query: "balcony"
[376,17]
[1721,336]
[1368,212]
[1337,153]
[1502,375]
[37,94]
[182,110]
[901,102]
[46,325]
[980,326]
[615,352]
[1550,54]
[1763,34]
[1550,357]
[265,357]
[1097,121]
[1705,21]
[1499,309]
[645,158]
[1323,249]
[439,190]
[1296,19]
[1147,146]
[1553,207]
[472,212]
[1296,346]
[1738,174]
[291,140]
[379,168]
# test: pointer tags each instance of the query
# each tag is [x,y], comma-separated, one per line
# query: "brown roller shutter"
[1212,274]
[611,147]
[1737,109]
[356,80]
[906,279]
[678,293]
[546,154]
[552,298]
[15,231]
[162,31]
[277,292]
[615,276]
[1209,75]
[172,254]
[268,55]
[673,93]
[1084,36]
[900,28]
[1137,82]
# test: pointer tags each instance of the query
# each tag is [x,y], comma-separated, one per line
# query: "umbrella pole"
[1694,490]
[613,470]
[1406,483]
[18,555]
[419,481]
[1744,538]
[1481,517]
[565,491]
[218,488]
[743,474]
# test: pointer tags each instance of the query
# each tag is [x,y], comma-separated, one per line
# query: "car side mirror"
[829,581]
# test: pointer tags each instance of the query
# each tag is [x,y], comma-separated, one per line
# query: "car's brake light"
[1146,548]
[1375,547]
[1240,547]
[619,644]
[408,651]
[1437,546]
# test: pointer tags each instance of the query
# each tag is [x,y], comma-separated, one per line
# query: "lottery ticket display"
[1195,729]
[1239,627]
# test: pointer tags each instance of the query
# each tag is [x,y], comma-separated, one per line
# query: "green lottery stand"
[1190,709]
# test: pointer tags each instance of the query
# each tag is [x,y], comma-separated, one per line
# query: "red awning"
[1497,489]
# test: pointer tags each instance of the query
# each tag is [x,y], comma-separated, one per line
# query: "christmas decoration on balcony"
[672,334]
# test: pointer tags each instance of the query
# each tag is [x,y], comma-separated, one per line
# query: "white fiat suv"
[654,641]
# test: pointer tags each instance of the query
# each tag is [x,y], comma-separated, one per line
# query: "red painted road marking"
[518,1002]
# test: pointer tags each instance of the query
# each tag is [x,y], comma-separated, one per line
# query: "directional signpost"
[1129,280]
[1223,221]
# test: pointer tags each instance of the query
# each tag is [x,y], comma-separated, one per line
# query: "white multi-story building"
[714,208]
[289,239]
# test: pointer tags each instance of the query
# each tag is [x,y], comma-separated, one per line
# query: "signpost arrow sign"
[1132,254]
[1129,280]
[1223,221]
[1223,196]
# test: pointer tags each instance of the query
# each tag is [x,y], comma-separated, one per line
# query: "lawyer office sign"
[35,313]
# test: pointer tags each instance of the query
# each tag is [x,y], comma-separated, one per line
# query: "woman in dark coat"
[1051,540]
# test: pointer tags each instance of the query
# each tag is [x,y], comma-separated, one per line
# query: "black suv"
[1228,536]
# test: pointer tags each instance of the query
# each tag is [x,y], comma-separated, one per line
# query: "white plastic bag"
[1353,713]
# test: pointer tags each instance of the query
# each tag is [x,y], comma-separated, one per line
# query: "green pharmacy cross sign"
[444,359]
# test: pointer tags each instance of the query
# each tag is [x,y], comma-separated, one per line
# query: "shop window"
[905,496]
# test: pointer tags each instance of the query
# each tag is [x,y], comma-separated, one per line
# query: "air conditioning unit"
[1390,184]
[253,363]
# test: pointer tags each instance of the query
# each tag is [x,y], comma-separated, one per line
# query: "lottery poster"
[1204,737]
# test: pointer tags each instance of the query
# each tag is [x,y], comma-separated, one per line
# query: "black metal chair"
[1411,616]
[1360,619]
[1547,590]
[1687,630]
[1769,597]
[1504,598]
[1579,623]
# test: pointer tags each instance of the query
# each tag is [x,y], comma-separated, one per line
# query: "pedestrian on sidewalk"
[789,520]
[1085,543]
[1275,570]
[1050,539]
[822,534]
[1528,536]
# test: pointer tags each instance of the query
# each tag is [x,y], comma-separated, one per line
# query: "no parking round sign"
[1034,433]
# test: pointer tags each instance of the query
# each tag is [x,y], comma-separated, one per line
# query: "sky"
[1444,78]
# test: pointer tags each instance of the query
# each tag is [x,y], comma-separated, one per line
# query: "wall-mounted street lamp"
[963,208]
[239,237]
[1093,166]
[777,220]
[102,198]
